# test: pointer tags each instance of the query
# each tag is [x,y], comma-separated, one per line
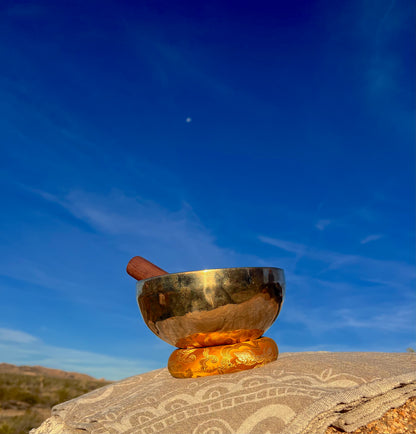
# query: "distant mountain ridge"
[7,368]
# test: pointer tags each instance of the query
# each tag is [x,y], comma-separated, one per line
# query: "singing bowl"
[212,307]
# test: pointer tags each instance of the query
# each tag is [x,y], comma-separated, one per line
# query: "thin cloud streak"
[320,320]
[22,348]
[132,221]
[16,336]
[298,249]
[375,295]
[322,224]
[370,238]
[36,274]
[367,269]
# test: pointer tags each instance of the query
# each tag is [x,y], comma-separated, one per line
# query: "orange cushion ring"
[222,359]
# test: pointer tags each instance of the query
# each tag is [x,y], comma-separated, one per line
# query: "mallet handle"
[141,268]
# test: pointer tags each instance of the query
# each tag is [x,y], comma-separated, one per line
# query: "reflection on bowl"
[212,307]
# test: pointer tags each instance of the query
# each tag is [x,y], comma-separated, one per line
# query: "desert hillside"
[27,394]
[6,368]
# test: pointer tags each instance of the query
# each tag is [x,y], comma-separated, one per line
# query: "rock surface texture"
[298,393]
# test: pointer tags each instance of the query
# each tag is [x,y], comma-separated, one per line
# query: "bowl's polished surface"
[212,307]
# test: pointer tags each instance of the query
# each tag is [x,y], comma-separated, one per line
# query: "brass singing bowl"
[212,307]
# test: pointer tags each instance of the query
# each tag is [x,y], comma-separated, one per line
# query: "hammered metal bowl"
[212,307]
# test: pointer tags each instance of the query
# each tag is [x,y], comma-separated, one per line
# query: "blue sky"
[204,135]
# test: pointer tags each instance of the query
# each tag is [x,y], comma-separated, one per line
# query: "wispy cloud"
[298,249]
[382,24]
[370,238]
[181,59]
[321,319]
[322,224]
[168,60]
[16,336]
[118,214]
[134,221]
[365,294]
[22,348]
[367,269]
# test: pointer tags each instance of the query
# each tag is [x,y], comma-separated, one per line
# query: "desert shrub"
[21,424]
[5,428]
[16,393]
[64,395]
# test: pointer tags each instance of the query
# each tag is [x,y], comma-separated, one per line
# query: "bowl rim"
[211,269]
